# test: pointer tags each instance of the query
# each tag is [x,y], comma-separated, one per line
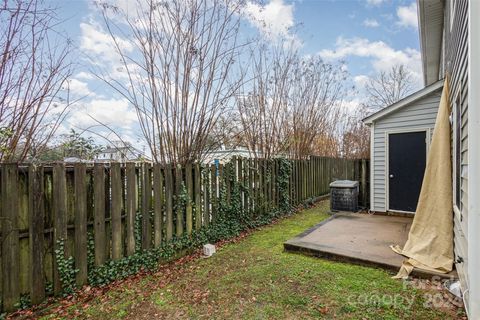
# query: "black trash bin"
[344,195]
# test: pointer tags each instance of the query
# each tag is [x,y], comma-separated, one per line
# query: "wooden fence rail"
[41,206]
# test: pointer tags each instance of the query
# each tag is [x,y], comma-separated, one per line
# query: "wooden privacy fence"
[44,206]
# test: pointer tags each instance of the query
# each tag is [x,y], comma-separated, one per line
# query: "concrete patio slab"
[359,238]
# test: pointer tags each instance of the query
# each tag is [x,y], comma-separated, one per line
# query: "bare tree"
[316,91]
[388,87]
[33,71]
[289,103]
[180,73]
[327,144]
[354,137]
[262,103]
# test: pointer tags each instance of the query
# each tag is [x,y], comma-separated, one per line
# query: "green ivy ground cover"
[253,278]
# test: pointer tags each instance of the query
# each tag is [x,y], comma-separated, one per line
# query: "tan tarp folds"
[430,241]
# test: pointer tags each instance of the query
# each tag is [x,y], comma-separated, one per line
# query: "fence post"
[189,209]
[274,188]
[227,174]
[214,198]
[36,216]
[169,201]
[250,194]
[10,240]
[99,213]
[206,196]
[323,176]
[314,178]
[220,184]
[264,185]
[60,218]
[131,194]
[198,196]
[146,202]
[80,223]
[116,213]
[293,183]
[178,192]
[158,204]
[301,180]
[240,180]
[260,173]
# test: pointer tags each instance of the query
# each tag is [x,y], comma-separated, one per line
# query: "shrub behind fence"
[51,212]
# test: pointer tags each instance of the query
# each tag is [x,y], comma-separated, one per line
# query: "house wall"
[421,114]
[455,64]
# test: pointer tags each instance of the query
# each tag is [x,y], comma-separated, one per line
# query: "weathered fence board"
[116,213]
[81,223]
[206,200]
[178,210]
[60,217]
[43,207]
[10,241]
[146,203]
[213,192]
[189,207]
[198,196]
[36,214]
[99,213]
[169,201]
[131,206]
[158,205]
[251,201]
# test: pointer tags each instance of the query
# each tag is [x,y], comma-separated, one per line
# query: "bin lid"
[344,184]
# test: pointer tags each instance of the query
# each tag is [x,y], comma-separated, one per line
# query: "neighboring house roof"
[228,151]
[115,150]
[121,149]
[403,103]
[430,23]
[75,159]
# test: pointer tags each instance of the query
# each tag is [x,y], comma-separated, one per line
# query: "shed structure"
[400,139]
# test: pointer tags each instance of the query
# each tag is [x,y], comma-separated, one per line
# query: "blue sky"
[369,35]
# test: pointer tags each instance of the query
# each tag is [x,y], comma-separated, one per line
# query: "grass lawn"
[253,278]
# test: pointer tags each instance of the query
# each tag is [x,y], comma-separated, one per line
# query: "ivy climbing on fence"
[93,224]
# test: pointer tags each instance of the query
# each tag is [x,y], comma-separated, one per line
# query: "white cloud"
[115,113]
[84,75]
[78,88]
[375,2]
[360,80]
[407,16]
[371,23]
[274,19]
[381,55]
[99,43]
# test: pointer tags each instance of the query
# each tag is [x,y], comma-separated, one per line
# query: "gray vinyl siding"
[420,114]
[456,65]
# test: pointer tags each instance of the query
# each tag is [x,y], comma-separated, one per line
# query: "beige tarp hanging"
[430,241]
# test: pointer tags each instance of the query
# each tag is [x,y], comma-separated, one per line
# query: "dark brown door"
[406,162]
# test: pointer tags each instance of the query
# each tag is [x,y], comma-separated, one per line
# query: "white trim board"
[427,131]
[430,25]
[372,168]
[473,307]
